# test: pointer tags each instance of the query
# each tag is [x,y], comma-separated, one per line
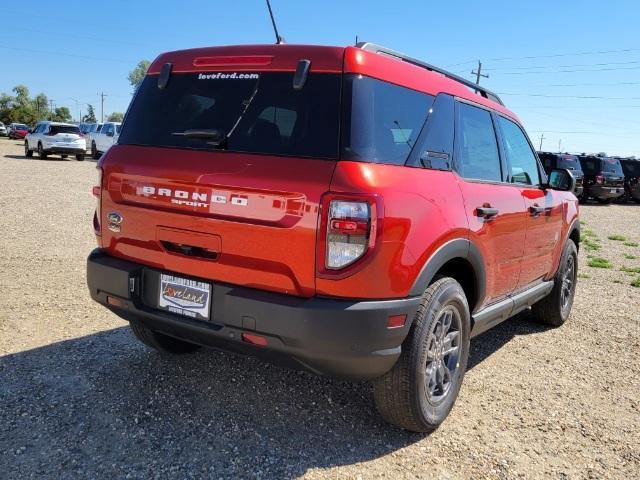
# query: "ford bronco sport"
[350,211]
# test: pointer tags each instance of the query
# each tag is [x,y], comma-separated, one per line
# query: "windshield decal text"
[228,76]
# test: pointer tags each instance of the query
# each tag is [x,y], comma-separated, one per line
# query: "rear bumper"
[67,150]
[597,191]
[338,338]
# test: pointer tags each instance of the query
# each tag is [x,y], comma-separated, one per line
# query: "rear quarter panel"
[423,209]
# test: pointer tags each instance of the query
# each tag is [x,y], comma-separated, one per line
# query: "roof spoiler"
[372,47]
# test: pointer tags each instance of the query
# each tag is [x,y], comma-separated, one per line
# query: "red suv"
[350,211]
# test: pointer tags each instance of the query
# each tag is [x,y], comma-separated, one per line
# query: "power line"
[556,55]
[584,97]
[84,37]
[530,67]
[49,52]
[572,71]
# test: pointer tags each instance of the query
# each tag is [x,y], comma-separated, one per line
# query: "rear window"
[631,168]
[570,163]
[20,126]
[612,165]
[55,129]
[381,121]
[278,119]
[590,165]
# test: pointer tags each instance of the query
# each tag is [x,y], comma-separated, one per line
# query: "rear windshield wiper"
[203,133]
[222,144]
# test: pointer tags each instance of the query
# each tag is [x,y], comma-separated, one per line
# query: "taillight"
[97,192]
[348,230]
[599,179]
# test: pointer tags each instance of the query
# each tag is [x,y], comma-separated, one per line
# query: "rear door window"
[477,148]
[259,112]
[522,161]
[381,121]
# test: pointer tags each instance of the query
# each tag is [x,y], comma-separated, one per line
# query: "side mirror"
[561,179]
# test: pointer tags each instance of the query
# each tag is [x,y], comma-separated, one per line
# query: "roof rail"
[372,47]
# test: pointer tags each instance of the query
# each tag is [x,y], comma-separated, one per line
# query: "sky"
[570,70]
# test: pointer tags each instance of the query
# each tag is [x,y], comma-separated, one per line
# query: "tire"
[94,151]
[64,156]
[41,153]
[27,153]
[80,157]
[554,309]
[160,342]
[405,396]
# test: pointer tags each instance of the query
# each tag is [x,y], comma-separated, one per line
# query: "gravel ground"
[81,398]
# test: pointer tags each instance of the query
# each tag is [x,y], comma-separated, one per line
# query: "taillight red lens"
[348,230]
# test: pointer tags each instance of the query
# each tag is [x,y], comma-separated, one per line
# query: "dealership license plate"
[613,190]
[184,297]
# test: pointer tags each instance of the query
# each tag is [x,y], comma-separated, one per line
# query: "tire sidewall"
[569,249]
[450,295]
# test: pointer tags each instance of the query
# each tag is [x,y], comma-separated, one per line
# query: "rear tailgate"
[239,219]
[245,211]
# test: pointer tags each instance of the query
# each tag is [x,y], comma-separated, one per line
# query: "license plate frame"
[184,296]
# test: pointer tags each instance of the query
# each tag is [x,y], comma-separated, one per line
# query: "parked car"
[564,160]
[631,170]
[234,212]
[18,131]
[57,138]
[103,140]
[3,130]
[603,178]
[93,129]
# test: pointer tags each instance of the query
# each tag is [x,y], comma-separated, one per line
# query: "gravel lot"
[81,398]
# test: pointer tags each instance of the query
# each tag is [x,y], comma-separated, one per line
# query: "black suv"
[564,160]
[631,170]
[603,178]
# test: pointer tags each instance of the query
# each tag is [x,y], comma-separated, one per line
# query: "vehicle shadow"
[105,406]
[36,158]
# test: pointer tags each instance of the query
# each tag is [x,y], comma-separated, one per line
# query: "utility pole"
[50,106]
[541,138]
[560,146]
[478,73]
[102,95]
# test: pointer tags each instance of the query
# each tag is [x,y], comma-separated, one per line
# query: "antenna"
[279,39]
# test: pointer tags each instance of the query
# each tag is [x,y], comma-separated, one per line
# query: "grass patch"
[636,283]
[599,262]
[631,269]
[628,256]
[588,233]
[617,238]
[584,275]
[590,245]
[631,244]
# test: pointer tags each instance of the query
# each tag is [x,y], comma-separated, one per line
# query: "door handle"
[487,212]
[536,210]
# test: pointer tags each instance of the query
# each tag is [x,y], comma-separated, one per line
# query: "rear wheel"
[94,151]
[420,390]
[27,152]
[64,156]
[80,157]
[41,153]
[554,309]
[158,341]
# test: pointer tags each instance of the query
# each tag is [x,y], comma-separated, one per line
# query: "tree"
[60,114]
[41,106]
[90,117]
[115,117]
[137,74]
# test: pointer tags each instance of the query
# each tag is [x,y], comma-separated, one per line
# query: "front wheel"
[420,390]
[80,157]
[27,152]
[554,309]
